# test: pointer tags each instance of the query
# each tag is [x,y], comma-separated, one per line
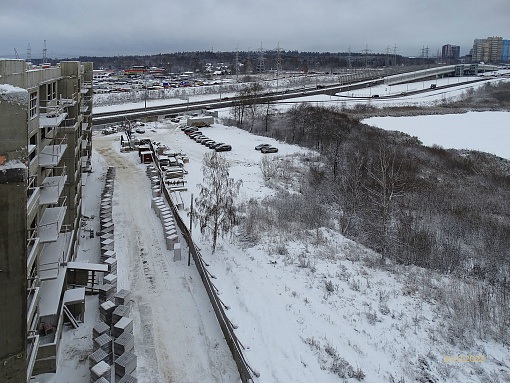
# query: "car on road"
[223,148]
[259,147]
[140,130]
[269,149]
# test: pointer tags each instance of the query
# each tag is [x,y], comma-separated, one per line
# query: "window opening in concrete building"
[33,105]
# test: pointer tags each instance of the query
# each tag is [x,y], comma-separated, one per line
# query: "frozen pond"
[483,131]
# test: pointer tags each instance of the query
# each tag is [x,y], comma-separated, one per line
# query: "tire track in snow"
[179,337]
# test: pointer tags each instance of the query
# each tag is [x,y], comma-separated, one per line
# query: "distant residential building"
[505,51]
[45,148]
[450,53]
[487,50]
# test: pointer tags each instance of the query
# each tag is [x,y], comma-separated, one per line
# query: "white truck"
[200,121]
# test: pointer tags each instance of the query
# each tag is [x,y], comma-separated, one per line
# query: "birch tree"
[215,210]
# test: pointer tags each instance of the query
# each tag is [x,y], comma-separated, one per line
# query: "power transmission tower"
[44,53]
[29,53]
[237,63]
[16,55]
[366,51]
[349,61]
[248,62]
[278,60]
[395,55]
[387,63]
[278,65]
[260,65]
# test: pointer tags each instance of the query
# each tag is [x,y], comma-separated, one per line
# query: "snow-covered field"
[319,310]
[316,312]
[483,131]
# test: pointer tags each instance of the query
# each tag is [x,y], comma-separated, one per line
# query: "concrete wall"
[13,247]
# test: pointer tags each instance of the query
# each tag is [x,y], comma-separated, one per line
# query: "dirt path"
[177,337]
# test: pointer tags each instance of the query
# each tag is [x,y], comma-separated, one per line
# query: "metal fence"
[236,348]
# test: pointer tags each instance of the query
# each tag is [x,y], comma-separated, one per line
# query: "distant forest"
[289,60]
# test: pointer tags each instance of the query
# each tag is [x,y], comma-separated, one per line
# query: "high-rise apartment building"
[487,50]
[450,53]
[45,146]
[505,51]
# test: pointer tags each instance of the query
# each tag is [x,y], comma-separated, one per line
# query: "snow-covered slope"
[321,309]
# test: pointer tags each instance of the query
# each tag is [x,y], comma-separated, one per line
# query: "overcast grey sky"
[74,28]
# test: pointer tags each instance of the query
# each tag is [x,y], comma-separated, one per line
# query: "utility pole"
[190,243]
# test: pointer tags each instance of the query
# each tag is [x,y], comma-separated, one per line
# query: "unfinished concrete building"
[45,148]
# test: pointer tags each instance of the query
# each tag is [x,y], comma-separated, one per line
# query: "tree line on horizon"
[289,60]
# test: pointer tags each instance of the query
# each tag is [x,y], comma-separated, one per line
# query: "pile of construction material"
[114,343]
[164,214]
[107,238]
[113,357]
[171,164]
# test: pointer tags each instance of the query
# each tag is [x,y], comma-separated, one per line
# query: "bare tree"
[215,207]
[246,108]
[386,182]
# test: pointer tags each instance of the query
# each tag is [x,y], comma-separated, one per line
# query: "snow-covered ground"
[311,313]
[483,131]
[395,95]
[388,95]
[317,311]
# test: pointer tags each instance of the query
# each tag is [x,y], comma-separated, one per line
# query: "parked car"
[140,130]
[201,138]
[259,147]
[190,129]
[205,142]
[223,148]
[214,146]
[194,134]
[211,144]
[269,149]
[109,130]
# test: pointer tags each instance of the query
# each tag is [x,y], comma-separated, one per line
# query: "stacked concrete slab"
[113,340]
[102,370]
[127,379]
[164,213]
[107,238]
